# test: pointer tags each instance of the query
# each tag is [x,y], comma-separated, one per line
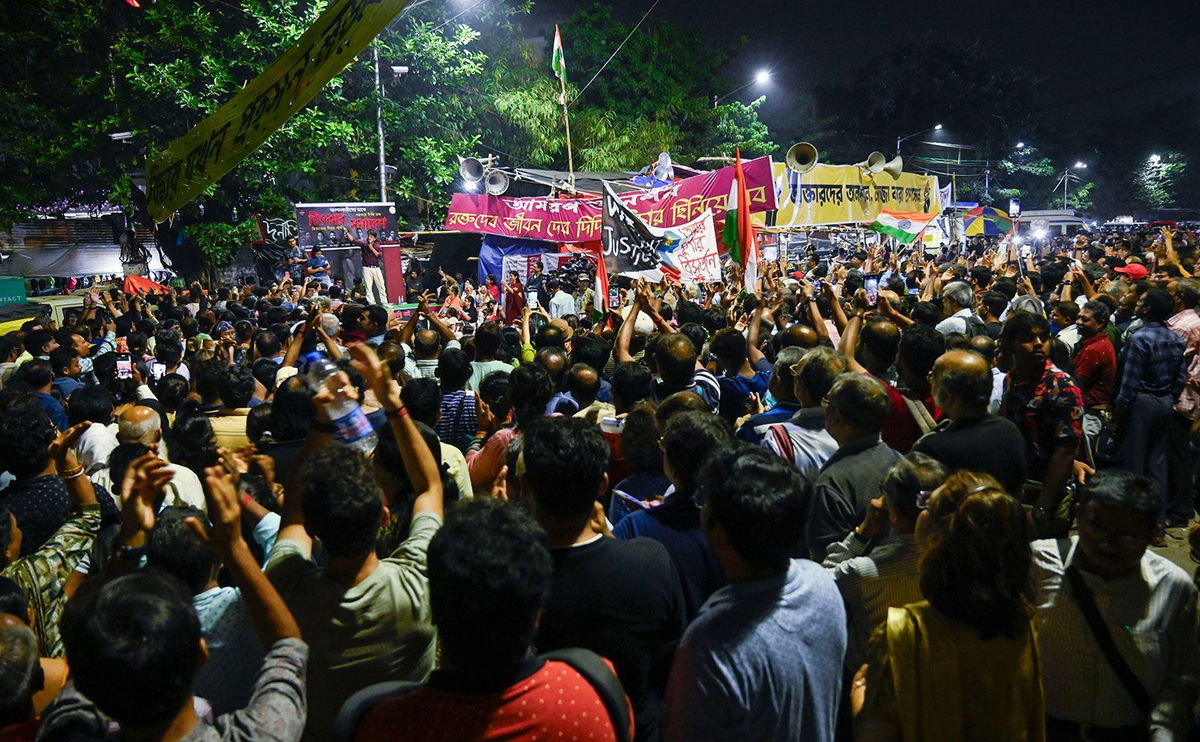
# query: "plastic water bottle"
[353,427]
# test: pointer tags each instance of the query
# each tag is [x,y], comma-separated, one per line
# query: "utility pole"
[379,128]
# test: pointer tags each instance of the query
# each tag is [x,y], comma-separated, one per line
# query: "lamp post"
[762,77]
[1066,179]
[900,140]
[396,71]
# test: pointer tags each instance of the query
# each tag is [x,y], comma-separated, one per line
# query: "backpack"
[975,326]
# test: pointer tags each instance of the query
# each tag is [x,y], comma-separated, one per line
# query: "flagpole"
[567,124]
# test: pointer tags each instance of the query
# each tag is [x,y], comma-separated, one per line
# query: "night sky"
[1074,50]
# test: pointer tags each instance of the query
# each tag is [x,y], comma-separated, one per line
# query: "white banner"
[692,250]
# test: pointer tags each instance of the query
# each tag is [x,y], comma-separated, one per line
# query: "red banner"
[578,219]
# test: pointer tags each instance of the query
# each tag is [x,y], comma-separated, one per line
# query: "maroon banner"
[578,219]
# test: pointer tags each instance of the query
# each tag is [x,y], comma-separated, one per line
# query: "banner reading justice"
[847,194]
[579,219]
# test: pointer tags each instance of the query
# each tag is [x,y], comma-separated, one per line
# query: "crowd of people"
[877,496]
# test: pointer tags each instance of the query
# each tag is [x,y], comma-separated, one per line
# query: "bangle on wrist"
[246,499]
[73,473]
[397,413]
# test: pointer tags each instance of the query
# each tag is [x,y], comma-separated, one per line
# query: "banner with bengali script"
[320,225]
[692,250]
[847,194]
[199,158]
[578,219]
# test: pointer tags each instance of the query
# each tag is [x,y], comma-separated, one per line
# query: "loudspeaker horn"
[801,157]
[894,167]
[874,162]
[471,169]
[496,182]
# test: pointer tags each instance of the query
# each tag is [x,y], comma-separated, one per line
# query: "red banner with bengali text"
[578,219]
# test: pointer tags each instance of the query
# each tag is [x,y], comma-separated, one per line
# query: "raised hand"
[375,372]
[224,513]
[145,480]
[62,450]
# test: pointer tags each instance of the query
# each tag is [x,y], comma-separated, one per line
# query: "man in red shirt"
[489,576]
[1095,359]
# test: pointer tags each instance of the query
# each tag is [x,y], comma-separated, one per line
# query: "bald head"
[583,383]
[553,360]
[139,424]
[426,344]
[962,384]
[799,336]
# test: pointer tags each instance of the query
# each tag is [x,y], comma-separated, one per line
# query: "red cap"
[1136,271]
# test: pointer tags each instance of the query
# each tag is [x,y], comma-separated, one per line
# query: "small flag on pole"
[558,62]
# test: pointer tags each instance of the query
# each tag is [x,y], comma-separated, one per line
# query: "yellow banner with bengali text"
[199,158]
[847,194]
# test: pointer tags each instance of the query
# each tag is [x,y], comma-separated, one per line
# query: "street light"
[397,71]
[1155,159]
[1020,145]
[899,140]
[762,77]
[1067,175]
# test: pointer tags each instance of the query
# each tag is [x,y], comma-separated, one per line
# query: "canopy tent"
[986,220]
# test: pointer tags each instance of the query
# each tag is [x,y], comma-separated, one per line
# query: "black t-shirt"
[991,445]
[623,601]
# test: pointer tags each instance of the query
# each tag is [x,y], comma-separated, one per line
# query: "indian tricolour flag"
[558,62]
[905,226]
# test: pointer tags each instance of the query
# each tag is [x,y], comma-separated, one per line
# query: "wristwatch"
[1042,512]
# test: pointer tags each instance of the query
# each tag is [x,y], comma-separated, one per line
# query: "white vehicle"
[1051,223]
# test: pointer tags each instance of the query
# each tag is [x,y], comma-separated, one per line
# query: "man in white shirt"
[957,299]
[1147,606]
[141,424]
[562,303]
[1063,315]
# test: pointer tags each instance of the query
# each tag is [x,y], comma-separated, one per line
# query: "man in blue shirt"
[729,679]
[64,361]
[317,268]
[782,388]
[747,371]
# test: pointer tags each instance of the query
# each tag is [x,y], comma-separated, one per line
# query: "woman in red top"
[514,299]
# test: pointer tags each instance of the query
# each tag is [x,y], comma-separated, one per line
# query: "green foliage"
[1079,196]
[1156,181]
[78,72]
[219,241]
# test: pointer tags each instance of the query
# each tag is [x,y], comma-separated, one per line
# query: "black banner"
[630,247]
[320,225]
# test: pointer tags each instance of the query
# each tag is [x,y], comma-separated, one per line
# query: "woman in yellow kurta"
[961,665]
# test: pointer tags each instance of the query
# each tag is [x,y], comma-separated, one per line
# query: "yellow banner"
[847,194]
[199,158]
